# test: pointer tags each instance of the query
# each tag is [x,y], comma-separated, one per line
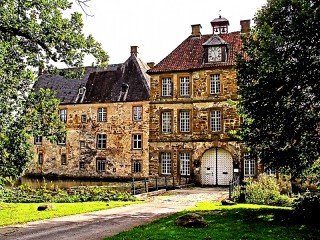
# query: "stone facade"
[81,143]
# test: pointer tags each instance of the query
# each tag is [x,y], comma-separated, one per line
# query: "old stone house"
[191,116]
[107,119]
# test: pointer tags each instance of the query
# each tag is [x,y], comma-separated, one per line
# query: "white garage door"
[216,167]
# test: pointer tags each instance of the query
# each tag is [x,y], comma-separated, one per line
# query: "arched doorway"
[216,167]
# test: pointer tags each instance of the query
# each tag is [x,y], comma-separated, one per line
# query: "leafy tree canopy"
[34,34]
[278,78]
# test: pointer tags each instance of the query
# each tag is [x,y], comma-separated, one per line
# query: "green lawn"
[242,221]
[11,213]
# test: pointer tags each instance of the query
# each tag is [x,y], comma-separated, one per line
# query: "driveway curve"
[97,225]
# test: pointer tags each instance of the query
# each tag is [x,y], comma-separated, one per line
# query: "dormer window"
[215,49]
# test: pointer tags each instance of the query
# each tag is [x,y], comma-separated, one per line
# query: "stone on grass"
[227,202]
[191,220]
[46,207]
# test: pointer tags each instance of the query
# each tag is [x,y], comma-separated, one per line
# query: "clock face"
[214,54]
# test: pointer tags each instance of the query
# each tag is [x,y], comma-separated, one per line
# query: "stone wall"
[118,153]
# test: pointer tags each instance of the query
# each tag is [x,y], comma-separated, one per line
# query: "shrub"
[307,207]
[264,190]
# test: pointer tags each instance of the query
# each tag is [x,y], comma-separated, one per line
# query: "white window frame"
[136,141]
[166,122]
[38,140]
[215,121]
[137,113]
[136,166]
[84,118]
[249,166]
[185,86]
[102,115]
[63,115]
[101,165]
[166,163]
[101,141]
[166,87]
[184,164]
[184,121]
[215,84]
[270,171]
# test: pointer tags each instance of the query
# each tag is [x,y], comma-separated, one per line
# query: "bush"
[264,190]
[26,194]
[307,207]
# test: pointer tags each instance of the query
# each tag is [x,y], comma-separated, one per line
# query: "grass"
[12,213]
[242,221]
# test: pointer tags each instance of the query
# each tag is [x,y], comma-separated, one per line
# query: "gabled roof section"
[214,40]
[190,54]
[119,82]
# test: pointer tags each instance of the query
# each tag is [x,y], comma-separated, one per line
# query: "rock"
[46,207]
[227,202]
[191,220]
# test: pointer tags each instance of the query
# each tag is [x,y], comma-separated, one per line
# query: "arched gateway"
[216,167]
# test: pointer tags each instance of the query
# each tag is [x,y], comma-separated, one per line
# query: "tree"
[278,78]
[33,35]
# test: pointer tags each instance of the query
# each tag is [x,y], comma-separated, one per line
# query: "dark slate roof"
[190,54]
[119,82]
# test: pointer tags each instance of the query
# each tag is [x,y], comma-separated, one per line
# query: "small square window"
[81,165]
[102,114]
[101,165]
[63,159]
[137,141]
[101,141]
[137,113]
[136,166]
[38,140]
[82,144]
[63,115]
[62,141]
[83,118]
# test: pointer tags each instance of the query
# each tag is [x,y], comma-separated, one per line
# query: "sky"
[157,27]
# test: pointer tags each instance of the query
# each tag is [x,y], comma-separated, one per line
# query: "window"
[215,121]
[63,159]
[83,118]
[270,171]
[184,121]
[62,141]
[81,165]
[101,165]
[137,113]
[40,158]
[82,144]
[166,122]
[137,141]
[184,86]
[166,163]
[63,115]
[101,141]
[249,166]
[38,140]
[185,164]
[166,87]
[214,84]
[136,166]
[102,114]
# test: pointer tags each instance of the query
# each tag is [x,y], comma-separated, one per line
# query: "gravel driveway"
[96,225]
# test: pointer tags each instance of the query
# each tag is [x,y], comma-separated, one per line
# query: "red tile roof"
[190,54]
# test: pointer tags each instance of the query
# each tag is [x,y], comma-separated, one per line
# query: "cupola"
[220,25]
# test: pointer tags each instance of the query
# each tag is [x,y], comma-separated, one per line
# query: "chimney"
[196,30]
[245,26]
[134,50]
[150,64]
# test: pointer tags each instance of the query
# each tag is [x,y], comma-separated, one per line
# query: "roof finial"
[220,13]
